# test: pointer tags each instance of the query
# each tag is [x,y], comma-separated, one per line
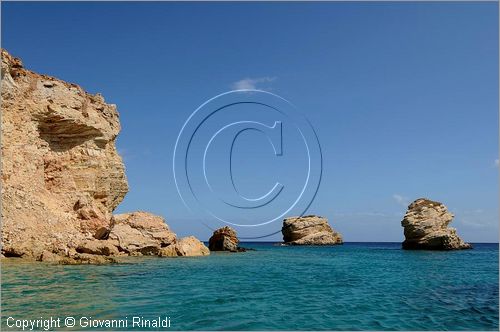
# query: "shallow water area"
[355,286]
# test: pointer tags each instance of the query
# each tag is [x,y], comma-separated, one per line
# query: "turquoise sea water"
[356,286]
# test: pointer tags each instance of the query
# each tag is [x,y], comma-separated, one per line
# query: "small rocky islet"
[62,178]
[426,227]
[225,239]
[309,230]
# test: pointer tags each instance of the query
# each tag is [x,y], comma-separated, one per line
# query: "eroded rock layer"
[426,227]
[309,230]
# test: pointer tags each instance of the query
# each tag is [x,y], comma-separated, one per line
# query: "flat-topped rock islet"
[309,230]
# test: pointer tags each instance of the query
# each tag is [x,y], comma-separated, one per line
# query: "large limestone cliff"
[61,174]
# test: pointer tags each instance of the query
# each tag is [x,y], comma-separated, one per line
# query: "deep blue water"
[356,286]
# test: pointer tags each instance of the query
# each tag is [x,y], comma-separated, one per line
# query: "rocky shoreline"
[62,179]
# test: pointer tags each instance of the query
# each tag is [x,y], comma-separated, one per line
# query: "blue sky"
[403,97]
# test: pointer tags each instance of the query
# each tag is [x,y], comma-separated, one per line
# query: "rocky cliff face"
[426,227]
[309,230]
[61,174]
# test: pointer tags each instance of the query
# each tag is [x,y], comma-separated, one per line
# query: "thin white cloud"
[251,83]
[401,200]
[496,162]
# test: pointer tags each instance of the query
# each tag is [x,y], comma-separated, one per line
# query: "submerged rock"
[309,230]
[426,227]
[75,258]
[224,239]
[97,247]
[62,176]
